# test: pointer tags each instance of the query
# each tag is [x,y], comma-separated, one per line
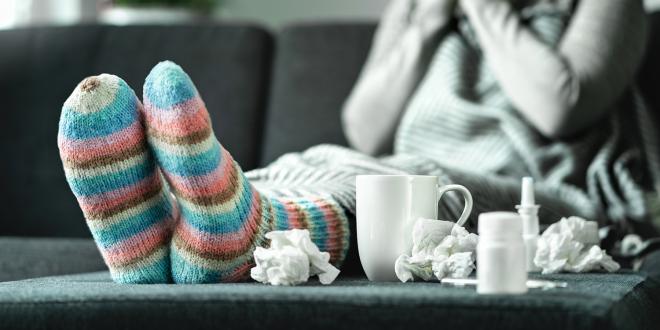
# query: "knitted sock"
[223,217]
[113,175]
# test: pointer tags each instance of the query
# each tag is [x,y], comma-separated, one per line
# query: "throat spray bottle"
[528,211]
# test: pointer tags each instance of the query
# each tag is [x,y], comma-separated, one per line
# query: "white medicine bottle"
[501,261]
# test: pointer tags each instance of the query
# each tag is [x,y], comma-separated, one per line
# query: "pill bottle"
[501,260]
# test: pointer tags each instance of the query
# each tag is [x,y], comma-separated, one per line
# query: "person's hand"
[401,18]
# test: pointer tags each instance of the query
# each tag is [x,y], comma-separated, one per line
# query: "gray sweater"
[559,89]
[474,111]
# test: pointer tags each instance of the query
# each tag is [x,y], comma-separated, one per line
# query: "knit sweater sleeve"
[398,57]
[564,89]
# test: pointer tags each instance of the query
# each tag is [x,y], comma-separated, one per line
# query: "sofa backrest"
[39,68]
[314,70]
[649,74]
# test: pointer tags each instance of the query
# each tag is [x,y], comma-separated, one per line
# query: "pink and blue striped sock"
[113,175]
[223,217]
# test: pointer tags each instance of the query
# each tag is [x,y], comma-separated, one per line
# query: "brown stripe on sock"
[182,244]
[251,233]
[227,193]
[162,242]
[336,241]
[301,216]
[261,203]
[192,138]
[271,221]
[91,215]
[105,160]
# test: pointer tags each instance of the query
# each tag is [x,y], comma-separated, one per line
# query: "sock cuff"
[326,221]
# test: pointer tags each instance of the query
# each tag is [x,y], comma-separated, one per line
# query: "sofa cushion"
[40,67]
[22,258]
[91,301]
[315,68]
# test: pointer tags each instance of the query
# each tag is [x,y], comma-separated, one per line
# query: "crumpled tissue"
[441,249]
[291,259]
[572,245]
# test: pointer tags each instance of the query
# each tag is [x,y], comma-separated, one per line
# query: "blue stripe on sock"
[223,222]
[154,273]
[118,115]
[281,216]
[185,272]
[111,181]
[168,85]
[318,226]
[196,165]
[134,224]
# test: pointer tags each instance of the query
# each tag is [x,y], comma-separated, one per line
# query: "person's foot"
[223,218]
[113,175]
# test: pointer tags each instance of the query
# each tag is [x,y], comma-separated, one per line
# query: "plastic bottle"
[529,210]
[501,254]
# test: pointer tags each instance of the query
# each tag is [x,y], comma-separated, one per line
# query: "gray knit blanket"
[460,126]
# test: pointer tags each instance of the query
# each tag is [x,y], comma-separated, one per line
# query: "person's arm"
[397,60]
[563,90]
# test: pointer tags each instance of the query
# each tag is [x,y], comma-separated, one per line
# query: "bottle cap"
[500,225]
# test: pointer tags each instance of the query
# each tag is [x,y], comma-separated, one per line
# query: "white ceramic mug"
[386,208]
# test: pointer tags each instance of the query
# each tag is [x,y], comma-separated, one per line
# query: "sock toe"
[168,85]
[113,176]
[100,105]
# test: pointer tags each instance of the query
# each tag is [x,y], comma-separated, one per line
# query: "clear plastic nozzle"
[527,196]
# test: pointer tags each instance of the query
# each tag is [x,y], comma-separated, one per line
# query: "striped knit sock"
[223,217]
[113,175]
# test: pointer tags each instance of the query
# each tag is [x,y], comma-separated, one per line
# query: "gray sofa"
[268,94]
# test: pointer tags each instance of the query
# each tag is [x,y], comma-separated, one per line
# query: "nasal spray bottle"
[528,211]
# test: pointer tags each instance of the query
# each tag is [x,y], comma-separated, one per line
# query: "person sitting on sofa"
[478,92]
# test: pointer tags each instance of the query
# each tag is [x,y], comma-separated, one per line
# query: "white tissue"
[572,245]
[631,244]
[406,269]
[291,259]
[441,249]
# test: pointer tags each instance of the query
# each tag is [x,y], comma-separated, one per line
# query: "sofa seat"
[29,257]
[623,300]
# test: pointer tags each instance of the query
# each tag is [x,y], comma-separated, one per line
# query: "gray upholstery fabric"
[649,74]
[91,301]
[313,73]
[315,69]
[22,258]
[40,67]
[651,265]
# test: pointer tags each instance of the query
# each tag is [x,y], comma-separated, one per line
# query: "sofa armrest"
[22,258]
[651,264]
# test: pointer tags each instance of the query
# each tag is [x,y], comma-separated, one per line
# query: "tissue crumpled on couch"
[441,249]
[291,259]
[572,245]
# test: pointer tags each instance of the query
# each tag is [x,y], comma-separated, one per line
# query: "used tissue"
[572,245]
[440,249]
[291,259]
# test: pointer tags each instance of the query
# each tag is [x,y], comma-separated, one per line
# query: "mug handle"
[467,197]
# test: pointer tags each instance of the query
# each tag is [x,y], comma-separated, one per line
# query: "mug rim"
[394,176]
